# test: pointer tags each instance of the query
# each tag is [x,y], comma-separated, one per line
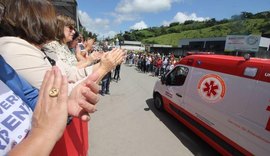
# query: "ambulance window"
[178,76]
[250,71]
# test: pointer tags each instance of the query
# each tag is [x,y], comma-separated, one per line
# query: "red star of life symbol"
[210,88]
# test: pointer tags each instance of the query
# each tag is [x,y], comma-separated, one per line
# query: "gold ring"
[53,92]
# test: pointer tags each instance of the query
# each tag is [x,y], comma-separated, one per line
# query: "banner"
[242,43]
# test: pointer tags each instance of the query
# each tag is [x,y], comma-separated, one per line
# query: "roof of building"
[132,42]
[68,8]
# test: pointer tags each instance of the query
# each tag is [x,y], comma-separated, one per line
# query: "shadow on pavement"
[189,139]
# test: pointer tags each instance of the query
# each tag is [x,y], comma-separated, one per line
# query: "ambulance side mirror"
[163,79]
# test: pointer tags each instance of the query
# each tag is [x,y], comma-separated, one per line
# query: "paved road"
[127,124]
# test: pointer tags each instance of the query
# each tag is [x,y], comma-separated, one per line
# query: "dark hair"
[63,21]
[90,34]
[31,20]
[76,34]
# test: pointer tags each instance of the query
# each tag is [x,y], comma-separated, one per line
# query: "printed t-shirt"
[15,119]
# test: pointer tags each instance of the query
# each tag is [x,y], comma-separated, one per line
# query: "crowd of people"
[49,80]
[153,63]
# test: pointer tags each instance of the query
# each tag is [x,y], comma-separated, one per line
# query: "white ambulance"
[223,99]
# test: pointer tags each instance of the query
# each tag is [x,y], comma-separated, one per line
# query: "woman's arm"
[49,118]
[90,59]
[109,61]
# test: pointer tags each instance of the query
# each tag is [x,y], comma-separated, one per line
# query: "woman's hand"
[49,118]
[80,56]
[50,115]
[109,61]
[89,44]
[83,98]
[94,56]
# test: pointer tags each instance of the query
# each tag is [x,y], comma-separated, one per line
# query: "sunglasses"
[71,28]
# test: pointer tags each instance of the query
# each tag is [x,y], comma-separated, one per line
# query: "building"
[68,8]
[238,45]
[132,45]
[163,49]
[216,44]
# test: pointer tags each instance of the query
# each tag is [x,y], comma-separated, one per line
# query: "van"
[224,99]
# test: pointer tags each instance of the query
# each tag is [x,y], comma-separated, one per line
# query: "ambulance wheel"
[158,102]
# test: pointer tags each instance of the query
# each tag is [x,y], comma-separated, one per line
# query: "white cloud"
[119,18]
[182,17]
[166,23]
[131,6]
[139,25]
[130,10]
[106,34]
[98,25]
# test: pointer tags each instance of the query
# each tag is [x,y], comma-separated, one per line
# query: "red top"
[74,142]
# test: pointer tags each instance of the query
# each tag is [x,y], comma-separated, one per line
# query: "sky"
[110,17]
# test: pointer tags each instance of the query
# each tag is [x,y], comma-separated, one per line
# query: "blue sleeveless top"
[17,84]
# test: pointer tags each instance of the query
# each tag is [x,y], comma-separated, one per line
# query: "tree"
[172,30]
[84,32]
[120,37]
[210,22]
[265,30]
[188,22]
[246,15]
[174,24]
[236,17]
[265,14]
[225,20]
[163,31]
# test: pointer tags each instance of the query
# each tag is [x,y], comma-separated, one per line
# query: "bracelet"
[69,119]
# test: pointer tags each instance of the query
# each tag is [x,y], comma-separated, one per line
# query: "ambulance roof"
[225,59]
[232,65]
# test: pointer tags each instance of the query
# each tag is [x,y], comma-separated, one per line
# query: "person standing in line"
[105,82]
[105,85]
[131,57]
[117,73]
[159,65]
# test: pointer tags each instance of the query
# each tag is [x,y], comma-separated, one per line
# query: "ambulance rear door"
[256,117]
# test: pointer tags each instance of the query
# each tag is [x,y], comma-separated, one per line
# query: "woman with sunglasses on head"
[66,61]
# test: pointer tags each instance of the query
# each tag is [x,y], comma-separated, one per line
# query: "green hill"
[251,26]
[244,24]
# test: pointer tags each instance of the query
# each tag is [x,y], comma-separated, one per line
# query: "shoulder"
[51,46]
[14,50]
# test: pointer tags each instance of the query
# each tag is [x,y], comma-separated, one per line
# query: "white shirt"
[30,63]
[15,119]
